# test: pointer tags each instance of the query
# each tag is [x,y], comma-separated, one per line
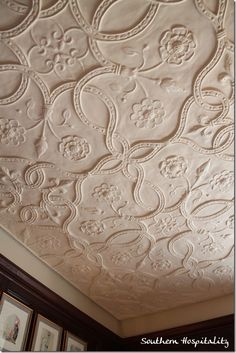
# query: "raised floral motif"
[110,193]
[80,268]
[121,258]
[148,114]
[92,227]
[161,264]
[166,224]
[211,248]
[58,50]
[74,148]
[221,271]
[11,132]
[222,181]
[173,167]
[177,45]
[49,243]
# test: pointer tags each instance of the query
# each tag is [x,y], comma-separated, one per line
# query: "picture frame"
[47,336]
[73,343]
[15,319]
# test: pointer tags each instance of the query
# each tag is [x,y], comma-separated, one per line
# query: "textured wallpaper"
[116,146]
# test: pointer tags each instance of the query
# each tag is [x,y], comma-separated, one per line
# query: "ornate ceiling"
[116,140]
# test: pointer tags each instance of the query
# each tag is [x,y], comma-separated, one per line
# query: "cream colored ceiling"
[116,140]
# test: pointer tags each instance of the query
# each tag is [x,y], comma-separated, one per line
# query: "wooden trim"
[20,285]
[24,323]
[43,320]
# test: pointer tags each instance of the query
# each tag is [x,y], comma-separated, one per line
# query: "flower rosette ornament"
[11,132]
[74,148]
[222,181]
[161,264]
[173,167]
[121,258]
[92,227]
[177,45]
[148,114]
[109,193]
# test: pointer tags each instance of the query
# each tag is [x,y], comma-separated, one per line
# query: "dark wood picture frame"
[15,319]
[72,343]
[47,336]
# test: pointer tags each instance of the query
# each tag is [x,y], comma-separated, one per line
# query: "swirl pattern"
[116,146]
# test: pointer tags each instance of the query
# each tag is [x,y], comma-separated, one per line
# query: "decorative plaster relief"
[116,136]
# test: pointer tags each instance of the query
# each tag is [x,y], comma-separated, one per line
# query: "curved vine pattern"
[31,16]
[53,9]
[116,140]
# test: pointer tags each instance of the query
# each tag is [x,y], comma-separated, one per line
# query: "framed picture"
[15,319]
[47,336]
[73,343]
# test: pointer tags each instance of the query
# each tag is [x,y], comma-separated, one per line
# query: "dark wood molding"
[31,292]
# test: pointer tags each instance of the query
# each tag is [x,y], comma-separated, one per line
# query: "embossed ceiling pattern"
[116,138]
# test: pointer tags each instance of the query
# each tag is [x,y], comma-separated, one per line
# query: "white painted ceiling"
[116,140]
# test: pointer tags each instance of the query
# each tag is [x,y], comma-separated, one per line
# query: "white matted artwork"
[15,319]
[47,336]
[73,343]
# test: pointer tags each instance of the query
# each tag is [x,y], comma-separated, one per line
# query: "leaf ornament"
[41,146]
[203,168]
